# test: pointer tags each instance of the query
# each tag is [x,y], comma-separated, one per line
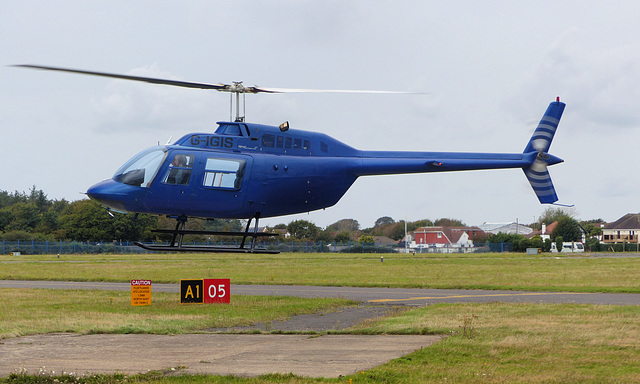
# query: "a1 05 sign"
[207,291]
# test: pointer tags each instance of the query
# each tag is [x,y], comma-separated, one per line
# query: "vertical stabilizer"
[541,139]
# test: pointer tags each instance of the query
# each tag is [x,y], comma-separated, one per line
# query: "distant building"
[383,241]
[284,234]
[444,239]
[508,228]
[545,232]
[623,230]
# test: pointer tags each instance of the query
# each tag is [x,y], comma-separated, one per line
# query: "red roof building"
[452,238]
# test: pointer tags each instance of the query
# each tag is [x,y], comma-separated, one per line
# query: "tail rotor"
[538,146]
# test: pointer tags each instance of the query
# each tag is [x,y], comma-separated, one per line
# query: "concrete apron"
[218,354]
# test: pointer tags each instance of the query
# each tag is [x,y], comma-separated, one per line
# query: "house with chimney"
[546,230]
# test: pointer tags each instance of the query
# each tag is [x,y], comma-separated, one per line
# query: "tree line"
[33,216]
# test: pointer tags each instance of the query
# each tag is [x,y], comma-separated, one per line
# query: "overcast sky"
[491,69]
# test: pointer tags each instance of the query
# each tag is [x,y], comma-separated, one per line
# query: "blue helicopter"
[251,171]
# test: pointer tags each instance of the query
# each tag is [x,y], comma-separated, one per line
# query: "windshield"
[140,170]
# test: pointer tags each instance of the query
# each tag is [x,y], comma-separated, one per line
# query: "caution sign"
[191,291]
[140,292]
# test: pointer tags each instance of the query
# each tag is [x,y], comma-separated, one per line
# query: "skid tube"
[179,232]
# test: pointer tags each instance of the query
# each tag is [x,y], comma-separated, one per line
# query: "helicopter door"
[219,185]
[172,192]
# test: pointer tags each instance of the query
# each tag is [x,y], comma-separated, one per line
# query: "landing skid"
[203,248]
[176,244]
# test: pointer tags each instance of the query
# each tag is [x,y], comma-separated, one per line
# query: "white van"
[569,246]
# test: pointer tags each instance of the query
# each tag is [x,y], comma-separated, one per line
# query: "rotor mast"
[237,88]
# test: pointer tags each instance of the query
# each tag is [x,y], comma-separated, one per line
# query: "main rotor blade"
[236,87]
[177,83]
[296,90]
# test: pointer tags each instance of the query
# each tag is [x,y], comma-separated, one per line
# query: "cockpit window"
[140,170]
[179,170]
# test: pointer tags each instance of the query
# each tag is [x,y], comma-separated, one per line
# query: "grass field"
[487,343]
[472,271]
[36,311]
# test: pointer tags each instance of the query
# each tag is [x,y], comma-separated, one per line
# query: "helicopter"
[250,171]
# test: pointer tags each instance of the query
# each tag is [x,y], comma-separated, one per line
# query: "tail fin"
[540,141]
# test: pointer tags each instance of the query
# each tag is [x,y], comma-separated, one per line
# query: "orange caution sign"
[140,292]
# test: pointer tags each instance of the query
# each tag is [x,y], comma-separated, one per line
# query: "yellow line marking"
[486,295]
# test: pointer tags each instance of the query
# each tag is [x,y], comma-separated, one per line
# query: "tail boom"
[533,161]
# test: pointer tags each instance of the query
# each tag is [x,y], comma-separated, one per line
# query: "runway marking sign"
[217,291]
[191,291]
[140,292]
[207,291]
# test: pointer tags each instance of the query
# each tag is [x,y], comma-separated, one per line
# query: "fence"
[32,247]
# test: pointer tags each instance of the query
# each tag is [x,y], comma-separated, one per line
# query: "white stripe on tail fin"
[541,139]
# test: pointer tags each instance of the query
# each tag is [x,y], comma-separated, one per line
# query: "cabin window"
[280,142]
[306,145]
[268,140]
[297,143]
[179,170]
[223,173]
[324,147]
[287,142]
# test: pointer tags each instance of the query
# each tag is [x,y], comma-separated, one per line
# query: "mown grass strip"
[570,274]
[38,311]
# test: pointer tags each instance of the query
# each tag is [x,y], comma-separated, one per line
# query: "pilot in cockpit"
[177,174]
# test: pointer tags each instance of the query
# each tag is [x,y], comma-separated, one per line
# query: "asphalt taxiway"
[390,296]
